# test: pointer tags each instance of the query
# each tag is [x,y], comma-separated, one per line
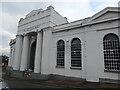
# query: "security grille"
[111,53]
[76,53]
[60,53]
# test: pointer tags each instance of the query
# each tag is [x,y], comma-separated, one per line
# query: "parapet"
[40,19]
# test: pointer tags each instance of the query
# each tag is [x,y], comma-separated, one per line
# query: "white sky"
[12,10]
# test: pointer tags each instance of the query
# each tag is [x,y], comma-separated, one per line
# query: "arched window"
[76,53]
[60,53]
[111,52]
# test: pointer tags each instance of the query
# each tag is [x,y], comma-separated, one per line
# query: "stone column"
[18,52]
[38,53]
[10,56]
[46,64]
[25,51]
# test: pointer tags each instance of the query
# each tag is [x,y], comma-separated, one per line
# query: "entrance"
[32,55]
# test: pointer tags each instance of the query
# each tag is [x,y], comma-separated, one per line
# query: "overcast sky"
[11,12]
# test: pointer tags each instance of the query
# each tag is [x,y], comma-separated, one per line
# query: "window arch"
[111,46]
[60,53]
[76,53]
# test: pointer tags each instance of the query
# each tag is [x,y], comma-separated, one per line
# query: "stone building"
[88,49]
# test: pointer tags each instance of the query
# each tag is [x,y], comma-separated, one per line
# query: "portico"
[24,58]
[28,51]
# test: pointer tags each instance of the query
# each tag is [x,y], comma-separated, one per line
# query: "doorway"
[32,55]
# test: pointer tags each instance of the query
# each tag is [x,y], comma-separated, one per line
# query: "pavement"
[67,83]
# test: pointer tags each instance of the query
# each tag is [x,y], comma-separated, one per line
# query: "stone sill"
[111,71]
[76,68]
[59,66]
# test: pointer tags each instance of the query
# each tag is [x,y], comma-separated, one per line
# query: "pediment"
[105,14]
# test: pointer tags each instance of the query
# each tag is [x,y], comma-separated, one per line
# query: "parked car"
[3,85]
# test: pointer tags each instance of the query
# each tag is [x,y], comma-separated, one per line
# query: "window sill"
[76,68]
[59,66]
[111,71]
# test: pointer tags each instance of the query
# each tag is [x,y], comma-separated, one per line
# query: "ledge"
[76,68]
[108,80]
[60,67]
[111,71]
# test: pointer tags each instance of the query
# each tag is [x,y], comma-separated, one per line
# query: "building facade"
[88,49]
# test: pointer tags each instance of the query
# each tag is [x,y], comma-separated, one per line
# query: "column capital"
[47,28]
[39,30]
[18,35]
[25,34]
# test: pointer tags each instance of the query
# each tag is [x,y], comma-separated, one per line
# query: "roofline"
[86,24]
[105,10]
